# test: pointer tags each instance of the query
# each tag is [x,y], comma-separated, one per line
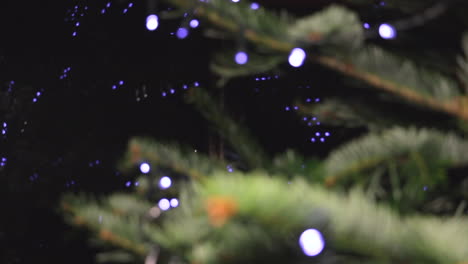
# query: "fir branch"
[112,229]
[455,106]
[437,93]
[428,146]
[238,137]
[350,223]
[180,160]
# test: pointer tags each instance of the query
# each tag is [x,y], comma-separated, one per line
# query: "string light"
[241,58]
[387,31]
[182,33]
[152,22]
[254,6]
[174,202]
[165,182]
[297,57]
[145,168]
[164,204]
[311,242]
[194,23]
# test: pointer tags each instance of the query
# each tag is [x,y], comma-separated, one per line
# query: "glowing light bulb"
[254,6]
[182,33]
[145,168]
[241,58]
[164,204]
[152,22]
[297,57]
[165,182]
[174,202]
[311,242]
[387,31]
[194,23]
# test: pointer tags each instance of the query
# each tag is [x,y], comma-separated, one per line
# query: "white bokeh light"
[164,204]
[387,31]
[311,242]
[165,182]
[152,22]
[145,168]
[194,23]
[174,202]
[297,57]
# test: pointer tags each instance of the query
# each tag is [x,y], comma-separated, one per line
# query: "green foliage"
[404,73]
[334,26]
[266,221]
[410,160]
[258,215]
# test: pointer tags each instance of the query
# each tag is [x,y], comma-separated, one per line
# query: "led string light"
[152,20]
[390,30]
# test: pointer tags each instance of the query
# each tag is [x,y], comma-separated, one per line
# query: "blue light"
[311,242]
[152,22]
[241,58]
[182,33]
[387,31]
[194,23]
[366,25]
[254,6]
[174,202]
[145,168]
[164,204]
[165,182]
[297,57]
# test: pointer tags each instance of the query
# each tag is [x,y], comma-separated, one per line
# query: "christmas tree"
[396,193]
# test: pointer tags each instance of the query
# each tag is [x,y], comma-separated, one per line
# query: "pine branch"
[180,160]
[111,228]
[235,217]
[368,112]
[238,137]
[443,99]
[412,148]
[263,212]
[438,93]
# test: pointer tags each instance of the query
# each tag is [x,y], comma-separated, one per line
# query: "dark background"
[79,127]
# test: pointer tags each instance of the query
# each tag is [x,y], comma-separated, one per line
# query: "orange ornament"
[221,209]
[135,153]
